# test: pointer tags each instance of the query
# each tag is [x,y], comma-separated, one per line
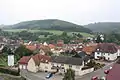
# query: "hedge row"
[9,71]
[88,67]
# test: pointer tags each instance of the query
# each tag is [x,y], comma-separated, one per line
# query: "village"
[57,58]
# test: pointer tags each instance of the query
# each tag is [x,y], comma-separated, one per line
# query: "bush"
[9,71]
[88,67]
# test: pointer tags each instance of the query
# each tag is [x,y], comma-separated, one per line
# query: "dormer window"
[80,46]
[41,59]
[98,49]
[46,61]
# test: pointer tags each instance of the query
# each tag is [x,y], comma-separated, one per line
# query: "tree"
[79,35]
[45,35]
[69,75]
[64,34]
[6,50]
[22,51]
[99,39]
[113,37]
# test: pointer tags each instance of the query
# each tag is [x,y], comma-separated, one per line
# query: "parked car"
[94,78]
[49,75]
[106,71]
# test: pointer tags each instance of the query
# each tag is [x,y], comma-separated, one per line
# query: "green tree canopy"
[69,75]
[22,51]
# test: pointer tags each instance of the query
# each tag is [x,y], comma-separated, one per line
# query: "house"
[31,47]
[89,49]
[62,63]
[84,56]
[57,51]
[1,47]
[53,64]
[23,62]
[107,51]
[42,52]
[51,46]
[60,43]
[45,44]
[39,63]
[35,63]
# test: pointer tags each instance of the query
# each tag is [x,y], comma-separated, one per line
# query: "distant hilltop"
[50,24]
[105,27]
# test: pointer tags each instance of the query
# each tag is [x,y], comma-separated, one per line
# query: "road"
[99,73]
[1,78]
[39,76]
[29,76]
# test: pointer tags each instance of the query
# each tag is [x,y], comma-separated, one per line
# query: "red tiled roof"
[114,73]
[51,46]
[24,60]
[107,47]
[31,47]
[79,49]
[89,49]
[41,58]
[46,49]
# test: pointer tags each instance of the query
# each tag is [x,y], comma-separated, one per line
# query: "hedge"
[88,67]
[9,71]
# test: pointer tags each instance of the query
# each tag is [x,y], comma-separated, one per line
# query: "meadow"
[56,32]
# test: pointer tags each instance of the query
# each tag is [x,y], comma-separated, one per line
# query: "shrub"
[88,67]
[9,71]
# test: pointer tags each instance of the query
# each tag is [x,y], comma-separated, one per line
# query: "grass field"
[56,32]
[3,61]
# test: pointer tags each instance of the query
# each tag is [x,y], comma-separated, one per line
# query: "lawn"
[3,61]
[56,32]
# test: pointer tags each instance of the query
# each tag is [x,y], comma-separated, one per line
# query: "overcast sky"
[76,11]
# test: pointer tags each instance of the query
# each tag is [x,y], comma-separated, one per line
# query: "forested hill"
[104,27]
[52,24]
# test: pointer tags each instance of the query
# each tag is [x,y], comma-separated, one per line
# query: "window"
[70,66]
[46,61]
[46,67]
[78,67]
[97,49]
[62,64]
[98,53]
[52,64]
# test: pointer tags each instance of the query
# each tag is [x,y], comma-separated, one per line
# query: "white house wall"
[45,67]
[31,66]
[96,55]
[22,66]
[118,52]
[76,68]
[83,72]
[108,56]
